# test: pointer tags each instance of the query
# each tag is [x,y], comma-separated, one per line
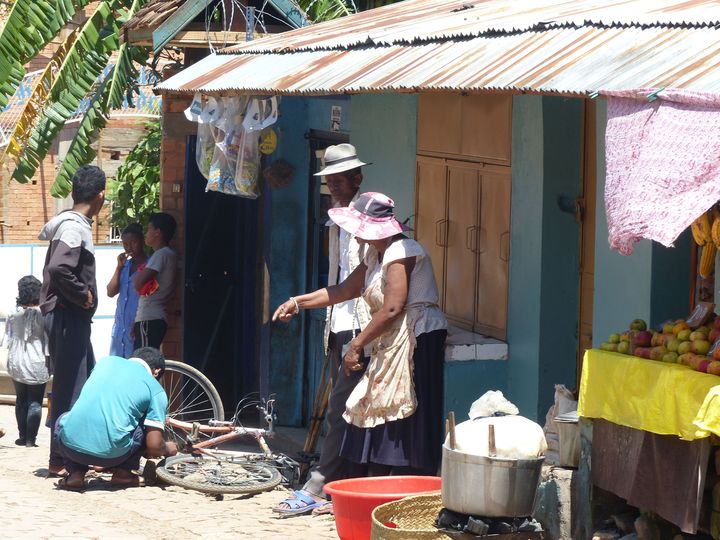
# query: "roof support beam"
[176,22]
[291,11]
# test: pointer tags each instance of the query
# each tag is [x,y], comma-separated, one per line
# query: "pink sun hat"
[371,217]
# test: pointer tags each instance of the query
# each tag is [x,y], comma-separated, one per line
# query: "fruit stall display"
[675,342]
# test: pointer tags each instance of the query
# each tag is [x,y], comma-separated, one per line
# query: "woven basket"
[414,517]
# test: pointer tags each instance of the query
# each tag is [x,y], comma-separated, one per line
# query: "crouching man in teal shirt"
[118,417]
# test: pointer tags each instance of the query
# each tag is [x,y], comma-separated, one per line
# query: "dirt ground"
[32,507]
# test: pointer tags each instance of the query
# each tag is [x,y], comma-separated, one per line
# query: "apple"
[685,358]
[614,338]
[703,364]
[700,346]
[714,368]
[672,344]
[623,347]
[670,357]
[656,353]
[643,338]
[655,339]
[642,352]
[716,354]
[679,327]
[625,336]
[684,335]
[684,347]
[695,361]
[638,324]
[698,336]
[667,328]
[612,347]
[704,329]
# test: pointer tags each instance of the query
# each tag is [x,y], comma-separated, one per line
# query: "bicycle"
[208,469]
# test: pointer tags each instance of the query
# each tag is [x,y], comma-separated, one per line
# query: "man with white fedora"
[343,176]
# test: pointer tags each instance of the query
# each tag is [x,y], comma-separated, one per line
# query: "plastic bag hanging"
[227,124]
[258,115]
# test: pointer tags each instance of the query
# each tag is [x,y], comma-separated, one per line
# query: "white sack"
[516,437]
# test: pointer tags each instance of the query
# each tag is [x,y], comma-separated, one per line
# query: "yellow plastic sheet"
[662,398]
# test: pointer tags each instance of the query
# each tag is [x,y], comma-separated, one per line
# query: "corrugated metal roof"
[563,47]
[416,21]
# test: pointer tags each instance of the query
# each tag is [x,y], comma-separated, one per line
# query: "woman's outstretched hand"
[285,311]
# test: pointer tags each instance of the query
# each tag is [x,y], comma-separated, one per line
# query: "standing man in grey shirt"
[155,282]
[343,176]
[68,297]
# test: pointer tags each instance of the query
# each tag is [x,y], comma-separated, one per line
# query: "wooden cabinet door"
[462,239]
[494,252]
[431,213]
[439,121]
[487,127]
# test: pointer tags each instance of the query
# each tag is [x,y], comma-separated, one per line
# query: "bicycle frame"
[228,431]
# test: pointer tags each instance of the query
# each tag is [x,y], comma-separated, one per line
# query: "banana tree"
[74,76]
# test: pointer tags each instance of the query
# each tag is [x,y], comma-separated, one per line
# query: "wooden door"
[586,215]
[462,241]
[431,213]
[494,252]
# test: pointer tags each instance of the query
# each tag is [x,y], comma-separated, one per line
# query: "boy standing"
[68,298]
[155,282]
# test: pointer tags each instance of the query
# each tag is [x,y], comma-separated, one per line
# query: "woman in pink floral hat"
[395,413]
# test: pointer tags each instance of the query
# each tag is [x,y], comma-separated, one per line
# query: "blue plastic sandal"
[300,503]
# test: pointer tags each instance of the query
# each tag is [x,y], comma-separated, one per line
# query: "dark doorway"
[219,312]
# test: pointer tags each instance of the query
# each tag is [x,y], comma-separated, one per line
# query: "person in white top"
[344,320]
[27,343]
[394,413]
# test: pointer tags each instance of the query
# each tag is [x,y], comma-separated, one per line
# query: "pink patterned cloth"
[662,163]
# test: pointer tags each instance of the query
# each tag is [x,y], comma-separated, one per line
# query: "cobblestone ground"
[32,507]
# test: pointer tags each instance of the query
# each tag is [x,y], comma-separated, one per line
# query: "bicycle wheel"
[213,475]
[191,397]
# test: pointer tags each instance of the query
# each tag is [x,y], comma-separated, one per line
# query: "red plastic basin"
[354,499]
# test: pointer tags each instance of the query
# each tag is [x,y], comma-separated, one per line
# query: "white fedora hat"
[340,158]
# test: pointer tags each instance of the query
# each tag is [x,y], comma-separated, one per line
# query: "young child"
[26,363]
[155,282]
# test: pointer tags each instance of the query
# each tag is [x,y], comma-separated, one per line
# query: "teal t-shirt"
[114,400]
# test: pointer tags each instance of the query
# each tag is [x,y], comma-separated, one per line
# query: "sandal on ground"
[123,479]
[53,471]
[63,484]
[325,510]
[300,503]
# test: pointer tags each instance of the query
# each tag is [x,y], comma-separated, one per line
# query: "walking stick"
[322,395]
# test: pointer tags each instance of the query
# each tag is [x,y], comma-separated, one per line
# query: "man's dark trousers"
[72,360]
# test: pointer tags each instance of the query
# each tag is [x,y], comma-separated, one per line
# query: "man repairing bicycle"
[118,417]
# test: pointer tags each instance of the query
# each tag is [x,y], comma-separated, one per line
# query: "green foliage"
[31,25]
[135,191]
[107,95]
[325,10]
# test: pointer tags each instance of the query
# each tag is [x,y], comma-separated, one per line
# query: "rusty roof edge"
[489,32]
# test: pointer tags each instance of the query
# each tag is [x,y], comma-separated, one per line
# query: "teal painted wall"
[384,133]
[562,138]
[526,244]
[287,264]
[652,284]
[543,291]
[466,381]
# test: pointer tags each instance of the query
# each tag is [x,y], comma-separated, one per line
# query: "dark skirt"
[416,441]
